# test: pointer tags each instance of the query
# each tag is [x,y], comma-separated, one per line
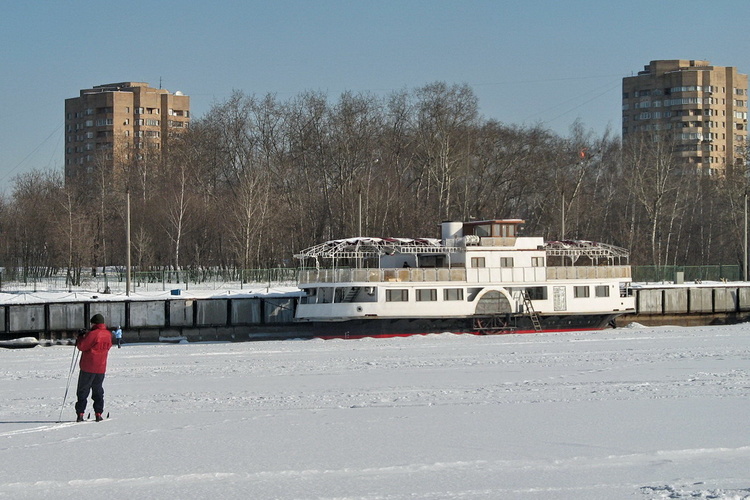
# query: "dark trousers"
[90,383]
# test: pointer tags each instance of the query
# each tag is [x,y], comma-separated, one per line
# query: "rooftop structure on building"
[701,107]
[120,123]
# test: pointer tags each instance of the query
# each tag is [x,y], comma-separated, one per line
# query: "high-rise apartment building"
[701,107]
[120,122]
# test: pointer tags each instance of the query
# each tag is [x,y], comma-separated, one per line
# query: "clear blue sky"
[530,61]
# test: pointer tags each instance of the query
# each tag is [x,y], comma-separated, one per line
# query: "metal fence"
[115,282]
[212,279]
[657,274]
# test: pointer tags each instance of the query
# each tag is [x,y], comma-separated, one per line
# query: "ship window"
[325,295]
[506,261]
[482,230]
[399,295]
[580,291]
[537,262]
[310,296]
[477,262]
[602,291]
[426,295]
[453,294]
[535,292]
[504,230]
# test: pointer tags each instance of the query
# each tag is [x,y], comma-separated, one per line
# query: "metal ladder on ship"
[531,312]
[350,294]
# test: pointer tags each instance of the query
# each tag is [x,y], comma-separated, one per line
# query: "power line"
[4,177]
[607,88]
[585,102]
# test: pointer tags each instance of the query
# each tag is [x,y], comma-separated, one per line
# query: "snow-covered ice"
[626,413]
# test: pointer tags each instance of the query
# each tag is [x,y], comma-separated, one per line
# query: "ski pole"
[70,374]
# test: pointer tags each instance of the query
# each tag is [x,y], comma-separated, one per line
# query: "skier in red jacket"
[94,347]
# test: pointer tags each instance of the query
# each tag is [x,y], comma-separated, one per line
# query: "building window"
[506,261]
[426,295]
[602,291]
[477,262]
[453,294]
[537,262]
[399,295]
[580,292]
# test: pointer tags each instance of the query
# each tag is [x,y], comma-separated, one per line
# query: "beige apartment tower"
[702,107]
[120,122]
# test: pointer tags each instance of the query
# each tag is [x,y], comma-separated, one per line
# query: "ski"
[88,418]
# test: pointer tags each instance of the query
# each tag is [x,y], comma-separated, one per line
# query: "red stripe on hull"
[396,335]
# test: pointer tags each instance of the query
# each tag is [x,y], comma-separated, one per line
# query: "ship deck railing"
[473,275]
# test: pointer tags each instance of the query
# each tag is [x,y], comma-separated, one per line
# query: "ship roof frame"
[363,247]
[585,248]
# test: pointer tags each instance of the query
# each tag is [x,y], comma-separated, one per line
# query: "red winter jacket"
[94,347]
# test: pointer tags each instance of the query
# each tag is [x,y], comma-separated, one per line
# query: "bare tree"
[35,214]
[446,116]
[77,231]
[654,180]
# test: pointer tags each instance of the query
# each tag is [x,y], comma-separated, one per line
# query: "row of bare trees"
[257,179]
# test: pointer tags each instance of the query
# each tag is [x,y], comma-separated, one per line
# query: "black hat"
[97,319]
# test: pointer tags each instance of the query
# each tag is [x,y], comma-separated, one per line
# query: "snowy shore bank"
[628,413]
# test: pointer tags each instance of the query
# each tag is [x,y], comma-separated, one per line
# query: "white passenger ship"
[481,277]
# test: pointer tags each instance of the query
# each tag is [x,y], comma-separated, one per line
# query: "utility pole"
[127,244]
[744,243]
[562,212]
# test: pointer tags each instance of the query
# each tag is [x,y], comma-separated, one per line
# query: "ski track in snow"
[644,413]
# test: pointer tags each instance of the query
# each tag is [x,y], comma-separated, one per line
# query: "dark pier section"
[158,320]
